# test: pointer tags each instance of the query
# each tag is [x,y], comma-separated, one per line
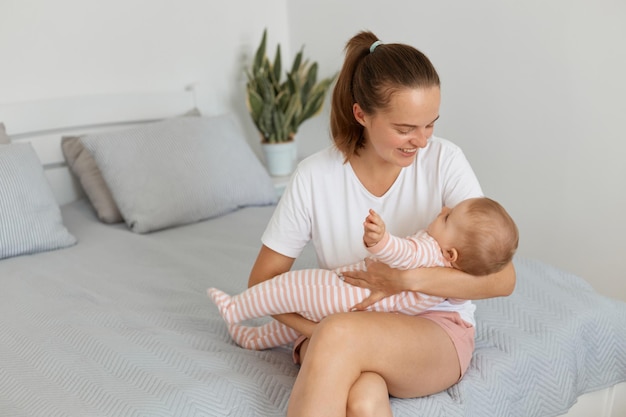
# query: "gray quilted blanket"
[119,325]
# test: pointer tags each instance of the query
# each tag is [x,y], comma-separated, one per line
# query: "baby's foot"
[222,301]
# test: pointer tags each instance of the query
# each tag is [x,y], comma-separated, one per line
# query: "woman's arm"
[384,281]
[452,283]
[268,264]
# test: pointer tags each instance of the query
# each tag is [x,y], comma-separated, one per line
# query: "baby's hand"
[373,229]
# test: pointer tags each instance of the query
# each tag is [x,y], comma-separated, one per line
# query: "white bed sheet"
[120,325]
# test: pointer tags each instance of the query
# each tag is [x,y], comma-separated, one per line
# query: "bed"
[103,317]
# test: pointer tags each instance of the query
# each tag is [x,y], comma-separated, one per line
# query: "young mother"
[384,107]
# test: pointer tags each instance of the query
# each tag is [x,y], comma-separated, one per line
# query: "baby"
[476,236]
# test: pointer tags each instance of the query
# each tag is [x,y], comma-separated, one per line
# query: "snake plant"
[278,107]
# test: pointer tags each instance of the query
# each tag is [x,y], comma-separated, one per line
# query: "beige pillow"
[84,167]
[4,139]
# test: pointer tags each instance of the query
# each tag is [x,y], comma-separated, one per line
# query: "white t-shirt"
[326,203]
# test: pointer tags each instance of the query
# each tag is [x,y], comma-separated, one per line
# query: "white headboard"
[44,122]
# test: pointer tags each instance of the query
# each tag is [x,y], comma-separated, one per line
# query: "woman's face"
[397,132]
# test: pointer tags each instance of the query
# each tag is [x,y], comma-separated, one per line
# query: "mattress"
[120,325]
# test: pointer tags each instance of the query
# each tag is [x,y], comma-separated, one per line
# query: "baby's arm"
[419,250]
[373,229]
[408,253]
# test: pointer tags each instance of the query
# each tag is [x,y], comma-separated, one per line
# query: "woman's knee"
[369,397]
[335,328]
[332,340]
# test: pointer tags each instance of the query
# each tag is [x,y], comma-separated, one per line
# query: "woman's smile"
[408,152]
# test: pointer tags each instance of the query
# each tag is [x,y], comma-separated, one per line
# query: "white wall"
[74,47]
[533,91]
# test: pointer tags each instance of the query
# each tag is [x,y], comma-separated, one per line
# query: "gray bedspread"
[120,325]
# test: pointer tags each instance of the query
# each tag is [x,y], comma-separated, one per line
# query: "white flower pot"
[280,158]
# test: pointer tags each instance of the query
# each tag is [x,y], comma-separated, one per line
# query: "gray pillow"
[4,138]
[84,167]
[30,219]
[179,171]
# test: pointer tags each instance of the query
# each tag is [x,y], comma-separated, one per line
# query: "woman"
[384,107]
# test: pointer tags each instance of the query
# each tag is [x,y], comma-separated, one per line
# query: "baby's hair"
[489,240]
[371,73]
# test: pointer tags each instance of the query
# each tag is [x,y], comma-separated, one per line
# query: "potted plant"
[278,107]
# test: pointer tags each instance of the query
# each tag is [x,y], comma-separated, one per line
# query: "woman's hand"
[379,278]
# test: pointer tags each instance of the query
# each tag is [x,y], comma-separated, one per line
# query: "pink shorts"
[460,332]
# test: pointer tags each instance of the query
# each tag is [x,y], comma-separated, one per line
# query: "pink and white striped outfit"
[317,293]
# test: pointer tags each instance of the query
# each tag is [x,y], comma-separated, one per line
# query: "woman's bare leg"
[414,356]
[369,397]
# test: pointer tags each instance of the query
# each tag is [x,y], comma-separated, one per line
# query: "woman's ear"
[359,114]
[451,254]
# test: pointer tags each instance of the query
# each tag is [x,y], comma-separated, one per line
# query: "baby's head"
[477,236]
